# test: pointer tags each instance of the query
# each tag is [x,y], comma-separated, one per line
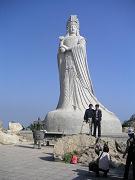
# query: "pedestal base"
[70,122]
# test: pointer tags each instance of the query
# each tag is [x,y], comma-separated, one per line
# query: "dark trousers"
[130,158]
[90,121]
[97,124]
[105,171]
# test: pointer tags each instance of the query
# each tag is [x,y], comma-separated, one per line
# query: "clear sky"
[29,31]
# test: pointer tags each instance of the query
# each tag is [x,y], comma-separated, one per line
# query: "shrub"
[74,152]
[67,157]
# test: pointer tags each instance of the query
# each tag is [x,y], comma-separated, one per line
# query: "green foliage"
[74,152]
[68,156]
[129,122]
[36,126]
[126,123]
[132,118]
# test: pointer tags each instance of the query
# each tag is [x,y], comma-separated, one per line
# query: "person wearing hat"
[130,151]
[97,120]
[89,117]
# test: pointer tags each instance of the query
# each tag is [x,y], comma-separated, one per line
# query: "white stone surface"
[76,90]
[8,138]
[15,127]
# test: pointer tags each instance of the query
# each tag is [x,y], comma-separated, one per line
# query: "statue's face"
[73,29]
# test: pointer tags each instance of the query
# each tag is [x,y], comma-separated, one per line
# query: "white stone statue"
[76,90]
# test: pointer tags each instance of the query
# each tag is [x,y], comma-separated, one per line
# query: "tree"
[130,122]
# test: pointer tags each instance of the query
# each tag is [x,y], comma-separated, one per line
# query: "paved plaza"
[22,162]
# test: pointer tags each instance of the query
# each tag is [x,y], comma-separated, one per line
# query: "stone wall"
[28,135]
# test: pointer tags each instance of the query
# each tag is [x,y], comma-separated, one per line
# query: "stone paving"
[22,162]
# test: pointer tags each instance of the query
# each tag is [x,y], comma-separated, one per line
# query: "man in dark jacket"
[88,117]
[130,151]
[97,120]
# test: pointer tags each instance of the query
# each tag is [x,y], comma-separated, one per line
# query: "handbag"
[93,166]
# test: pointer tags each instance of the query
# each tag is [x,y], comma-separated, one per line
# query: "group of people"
[93,117]
[103,160]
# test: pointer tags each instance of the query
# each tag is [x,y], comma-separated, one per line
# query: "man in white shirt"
[104,161]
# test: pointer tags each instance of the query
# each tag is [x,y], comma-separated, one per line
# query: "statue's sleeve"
[82,42]
[80,59]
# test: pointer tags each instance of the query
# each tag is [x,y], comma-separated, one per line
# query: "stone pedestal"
[70,122]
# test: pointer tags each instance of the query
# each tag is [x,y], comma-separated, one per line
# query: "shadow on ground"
[51,154]
[30,146]
[47,158]
[25,146]
[86,175]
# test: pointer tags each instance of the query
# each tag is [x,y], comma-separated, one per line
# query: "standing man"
[130,150]
[97,120]
[88,117]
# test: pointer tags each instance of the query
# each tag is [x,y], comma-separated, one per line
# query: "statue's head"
[73,25]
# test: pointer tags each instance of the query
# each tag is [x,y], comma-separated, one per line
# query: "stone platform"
[70,122]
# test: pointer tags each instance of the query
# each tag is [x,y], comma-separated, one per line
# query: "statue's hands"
[67,48]
[62,49]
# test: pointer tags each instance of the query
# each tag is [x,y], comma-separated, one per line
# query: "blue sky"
[29,31]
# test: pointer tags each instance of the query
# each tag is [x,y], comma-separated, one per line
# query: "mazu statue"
[76,90]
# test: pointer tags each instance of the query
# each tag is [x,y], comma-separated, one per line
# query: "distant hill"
[130,122]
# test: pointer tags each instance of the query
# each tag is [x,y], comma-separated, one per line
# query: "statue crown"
[73,19]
